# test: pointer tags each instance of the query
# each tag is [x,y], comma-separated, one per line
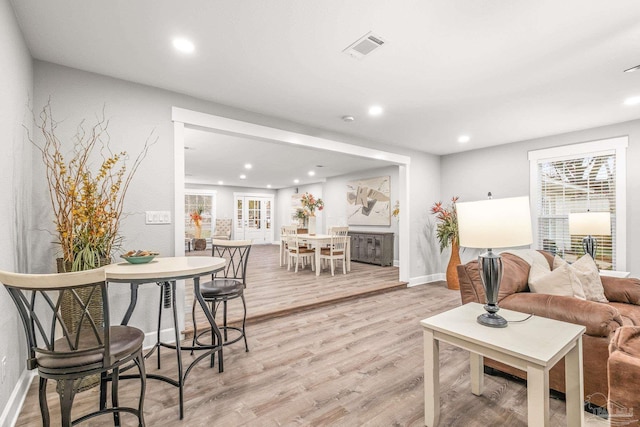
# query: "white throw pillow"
[560,281]
[587,271]
[578,286]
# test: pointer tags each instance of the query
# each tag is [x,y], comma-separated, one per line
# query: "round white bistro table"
[164,272]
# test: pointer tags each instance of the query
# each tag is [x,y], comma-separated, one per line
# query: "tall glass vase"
[312,225]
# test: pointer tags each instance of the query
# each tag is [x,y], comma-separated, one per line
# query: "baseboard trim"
[429,278]
[11,411]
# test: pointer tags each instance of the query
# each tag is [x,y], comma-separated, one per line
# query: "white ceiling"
[213,157]
[498,70]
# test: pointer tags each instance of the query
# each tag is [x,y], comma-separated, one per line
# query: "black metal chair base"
[223,330]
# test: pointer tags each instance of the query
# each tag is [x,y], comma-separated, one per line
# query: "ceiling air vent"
[364,45]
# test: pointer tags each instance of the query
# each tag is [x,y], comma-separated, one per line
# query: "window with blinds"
[575,184]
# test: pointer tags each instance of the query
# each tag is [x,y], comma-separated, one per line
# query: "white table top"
[314,236]
[163,268]
[537,340]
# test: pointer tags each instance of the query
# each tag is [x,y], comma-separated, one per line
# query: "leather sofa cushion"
[630,314]
[124,340]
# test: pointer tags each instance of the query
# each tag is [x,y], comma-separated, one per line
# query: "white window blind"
[581,184]
[574,179]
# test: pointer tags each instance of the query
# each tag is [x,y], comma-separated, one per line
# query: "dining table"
[318,240]
[165,271]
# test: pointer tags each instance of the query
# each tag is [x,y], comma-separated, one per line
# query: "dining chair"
[286,231]
[69,348]
[226,285]
[298,251]
[336,251]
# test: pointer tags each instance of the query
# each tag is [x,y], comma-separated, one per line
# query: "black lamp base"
[492,320]
[490,265]
[590,244]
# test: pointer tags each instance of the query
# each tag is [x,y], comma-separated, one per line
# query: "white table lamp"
[589,223]
[490,224]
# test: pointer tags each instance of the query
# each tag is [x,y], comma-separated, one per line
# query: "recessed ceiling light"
[311,173]
[295,181]
[348,119]
[247,166]
[464,139]
[220,182]
[183,45]
[375,110]
[243,176]
[632,69]
[634,100]
[268,185]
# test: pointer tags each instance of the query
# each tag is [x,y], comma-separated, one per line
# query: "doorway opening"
[223,126]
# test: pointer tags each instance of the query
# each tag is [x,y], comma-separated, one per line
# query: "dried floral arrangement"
[196,219]
[87,188]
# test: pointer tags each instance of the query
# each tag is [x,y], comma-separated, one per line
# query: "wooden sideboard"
[372,247]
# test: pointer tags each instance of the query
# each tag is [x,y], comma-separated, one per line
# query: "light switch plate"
[158,217]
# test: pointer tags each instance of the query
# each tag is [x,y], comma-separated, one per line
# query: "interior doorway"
[223,125]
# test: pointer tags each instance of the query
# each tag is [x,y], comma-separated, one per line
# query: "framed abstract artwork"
[368,201]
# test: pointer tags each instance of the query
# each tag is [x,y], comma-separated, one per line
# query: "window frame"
[617,145]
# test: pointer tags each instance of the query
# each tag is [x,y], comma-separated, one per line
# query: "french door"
[253,218]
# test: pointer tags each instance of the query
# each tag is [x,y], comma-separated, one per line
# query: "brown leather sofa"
[600,319]
[624,376]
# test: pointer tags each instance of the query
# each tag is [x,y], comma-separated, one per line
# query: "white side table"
[611,273]
[534,346]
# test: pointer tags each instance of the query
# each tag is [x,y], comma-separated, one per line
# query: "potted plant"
[447,232]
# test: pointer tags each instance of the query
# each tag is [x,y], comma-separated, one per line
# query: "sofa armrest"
[599,319]
[618,289]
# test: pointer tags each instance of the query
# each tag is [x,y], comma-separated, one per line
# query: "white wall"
[504,170]
[16,87]
[335,199]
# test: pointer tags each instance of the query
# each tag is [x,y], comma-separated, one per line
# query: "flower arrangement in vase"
[196,219]
[87,184]
[309,206]
[447,232]
[87,190]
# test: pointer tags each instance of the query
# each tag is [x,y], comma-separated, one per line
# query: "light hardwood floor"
[273,291]
[357,362]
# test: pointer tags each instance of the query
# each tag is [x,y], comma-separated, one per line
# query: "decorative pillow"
[560,281]
[589,275]
[578,286]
